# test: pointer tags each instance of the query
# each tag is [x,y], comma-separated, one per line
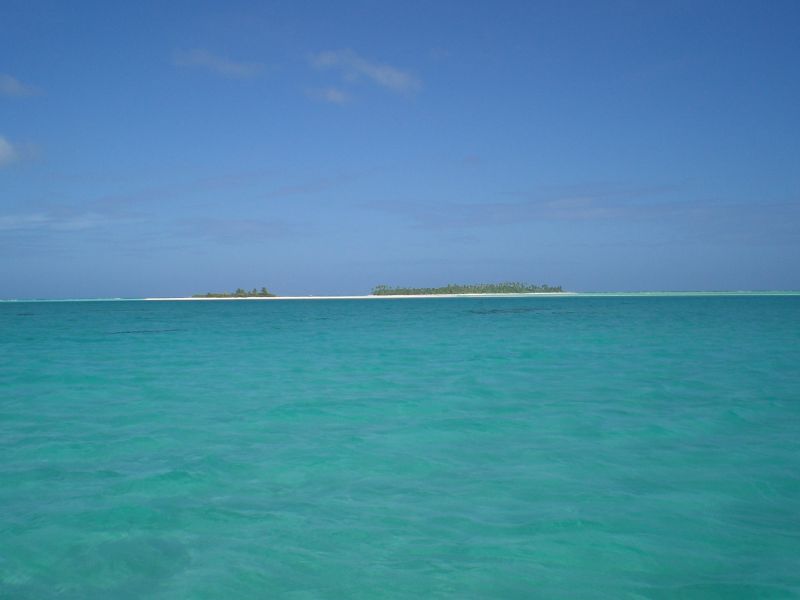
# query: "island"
[479,288]
[378,291]
[239,293]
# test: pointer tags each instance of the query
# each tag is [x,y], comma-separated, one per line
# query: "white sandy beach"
[537,294]
[372,297]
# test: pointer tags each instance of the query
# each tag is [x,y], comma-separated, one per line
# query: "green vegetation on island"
[239,293]
[480,288]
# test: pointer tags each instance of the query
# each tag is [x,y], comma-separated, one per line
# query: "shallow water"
[583,447]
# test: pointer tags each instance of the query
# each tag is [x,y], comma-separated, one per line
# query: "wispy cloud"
[11,152]
[8,153]
[312,186]
[640,207]
[10,86]
[570,203]
[233,231]
[49,221]
[354,67]
[203,59]
[333,95]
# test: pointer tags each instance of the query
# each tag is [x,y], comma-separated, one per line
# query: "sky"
[171,148]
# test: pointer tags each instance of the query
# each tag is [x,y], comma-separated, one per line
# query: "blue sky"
[154,148]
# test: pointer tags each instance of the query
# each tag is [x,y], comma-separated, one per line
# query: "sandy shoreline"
[371,297]
[396,297]
[536,294]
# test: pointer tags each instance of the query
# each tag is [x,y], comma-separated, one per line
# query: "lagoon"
[572,446]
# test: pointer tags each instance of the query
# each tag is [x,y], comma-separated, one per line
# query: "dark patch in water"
[145,331]
[504,311]
[25,314]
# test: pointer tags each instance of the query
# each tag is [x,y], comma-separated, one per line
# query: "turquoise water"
[617,447]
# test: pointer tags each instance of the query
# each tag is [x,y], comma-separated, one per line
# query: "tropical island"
[479,288]
[239,293]
[386,290]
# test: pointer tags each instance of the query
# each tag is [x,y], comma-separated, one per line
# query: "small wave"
[505,311]
[145,331]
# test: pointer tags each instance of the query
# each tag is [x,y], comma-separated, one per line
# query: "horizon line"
[641,293]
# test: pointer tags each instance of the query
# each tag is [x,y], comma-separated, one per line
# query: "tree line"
[239,293]
[510,287]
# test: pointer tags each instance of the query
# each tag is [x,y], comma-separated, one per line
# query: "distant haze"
[166,149]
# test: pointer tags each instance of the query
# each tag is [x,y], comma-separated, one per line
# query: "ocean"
[540,447]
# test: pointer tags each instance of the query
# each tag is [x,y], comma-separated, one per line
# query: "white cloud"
[51,222]
[331,94]
[14,222]
[8,153]
[353,67]
[9,86]
[204,59]
[13,152]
